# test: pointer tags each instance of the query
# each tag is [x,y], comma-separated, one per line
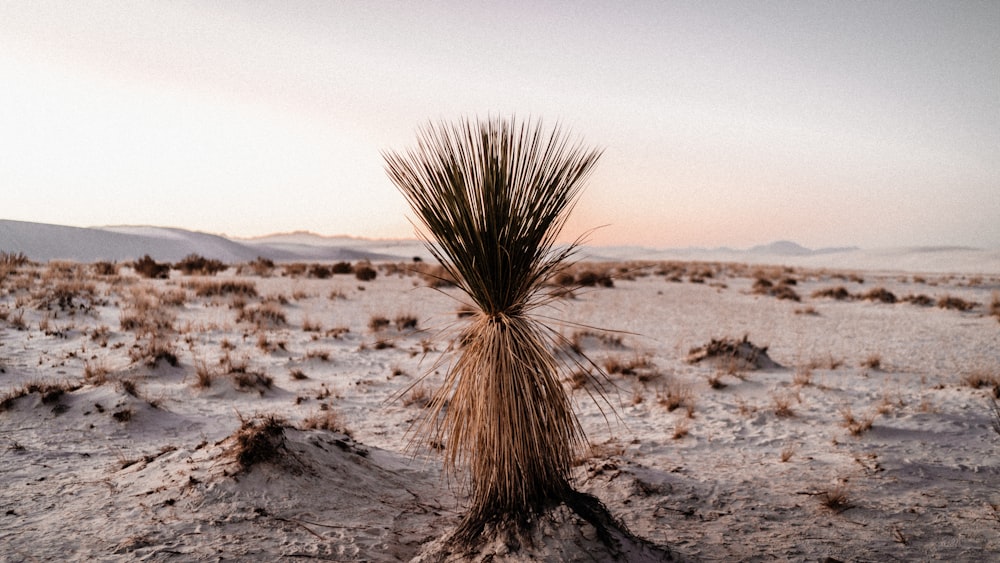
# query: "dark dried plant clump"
[491,197]
[259,440]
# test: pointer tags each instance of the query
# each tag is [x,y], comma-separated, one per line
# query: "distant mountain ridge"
[43,242]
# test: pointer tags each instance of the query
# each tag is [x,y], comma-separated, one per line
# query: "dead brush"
[324,419]
[836,498]
[995,305]
[982,377]
[378,323]
[639,366]
[854,425]
[956,303]
[783,404]
[673,395]
[872,361]
[96,371]
[419,396]
[264,315]
[216,288]
[258,440]
[802,377]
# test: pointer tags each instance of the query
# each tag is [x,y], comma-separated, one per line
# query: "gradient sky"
[723,123]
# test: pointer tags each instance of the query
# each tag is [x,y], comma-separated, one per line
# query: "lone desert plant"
[492,197]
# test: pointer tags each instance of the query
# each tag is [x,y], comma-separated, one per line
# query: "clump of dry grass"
[780,290]
[920,299]
[258,440]
[265,315]
[419,396]
[405,322]
[197,264]
[995,305]
[983,377]
[213,288]
[378,323]
[674,395]
[786,454]
[880,294]
[308,325]
[839,293]
[872,361]
[681,428]
[836,498]
[956,303]
[783,404]
[856,426]
[149,268]
[324,419]
[802,376]
[96,371]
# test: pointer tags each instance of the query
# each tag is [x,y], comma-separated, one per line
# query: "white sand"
[921,484]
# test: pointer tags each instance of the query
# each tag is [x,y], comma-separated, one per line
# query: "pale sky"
[723,123]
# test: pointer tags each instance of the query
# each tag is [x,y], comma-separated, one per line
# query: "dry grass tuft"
[873,361]
[879,294]
[324,419]
[783,405]
[836,498]
[854,425]
[259,440]
[674,395]
[956,303]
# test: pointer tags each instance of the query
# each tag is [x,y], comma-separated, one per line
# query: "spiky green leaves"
[492,196]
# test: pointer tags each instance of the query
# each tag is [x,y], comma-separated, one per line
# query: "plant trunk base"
[577,528]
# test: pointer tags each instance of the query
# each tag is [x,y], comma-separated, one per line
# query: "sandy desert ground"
[137,415]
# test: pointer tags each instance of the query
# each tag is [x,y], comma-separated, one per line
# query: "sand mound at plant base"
[732,353]
[560,535]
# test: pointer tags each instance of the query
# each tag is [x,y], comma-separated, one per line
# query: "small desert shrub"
[261,266]
[590,278]
[365,272]
[995,305]
[252,381]
[681,428]
[378,323]
[836,498]
[196,264]
[204,375]
[854,425]
[957,303]
[152,349]
[828,362]
[297,374]
[207,288]
[104,268]
[879,294]
[294,270]
[149,268]
[783,405]
[802,376]
[325,419]
[323,355]
[263,315]
[982,378]
[342,268]
[674,395]
[96,371]
[873,361]
[839,293]
[310,326]
[919,299]
[786,454]
[319,271]
[418,396]
[259,440]
[405,322]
